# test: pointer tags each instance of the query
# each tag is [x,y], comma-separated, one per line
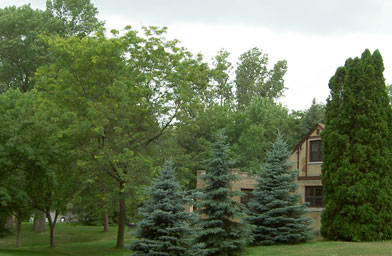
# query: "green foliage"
[22,50]
[192,140]
[307,119]
[34,156]
[255,129]
[74,17]
[164,228]
[274,210]
[22,47]
[253,79]
[357,153]
[222,231]
[122,94]
[222,85]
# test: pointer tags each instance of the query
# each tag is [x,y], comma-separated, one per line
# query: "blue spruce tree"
[221,229]
[275,210]
[164,228]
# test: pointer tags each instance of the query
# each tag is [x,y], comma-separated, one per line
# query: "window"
[314,196]
[246,195]
[316,151]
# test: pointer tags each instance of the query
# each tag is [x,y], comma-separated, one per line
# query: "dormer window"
[316,151]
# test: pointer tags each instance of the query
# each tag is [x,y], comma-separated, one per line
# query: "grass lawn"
[85,240]
[69,240]
[323,248]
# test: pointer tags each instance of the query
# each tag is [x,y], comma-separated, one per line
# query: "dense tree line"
[87,119]
[224,226]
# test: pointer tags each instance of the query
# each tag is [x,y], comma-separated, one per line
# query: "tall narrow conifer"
[357,167]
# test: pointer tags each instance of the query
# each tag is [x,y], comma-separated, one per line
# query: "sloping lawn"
[69,240]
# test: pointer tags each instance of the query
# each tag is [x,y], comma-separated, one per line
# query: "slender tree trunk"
[39,221]
[52,224]
[18,231]
[121,219]
[10,224]
[105,221]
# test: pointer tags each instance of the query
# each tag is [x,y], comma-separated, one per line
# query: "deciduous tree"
[124,93]
[254,79]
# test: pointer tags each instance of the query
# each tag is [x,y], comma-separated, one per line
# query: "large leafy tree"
[222,230]
[124,93]
[22,50]
[255,129]
[248,128]
[356,172]
[18,202]
[165,226]
[274,210]
[222,84]
[22,47]
[254,79]
[34,159]
[73,17]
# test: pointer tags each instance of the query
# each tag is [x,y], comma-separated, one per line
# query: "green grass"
[85,240]
[69,240]
[323,248]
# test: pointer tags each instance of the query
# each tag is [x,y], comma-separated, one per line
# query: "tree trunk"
[52,224]
[39,222]
[35,222]
[18,231]
[105,221]
[121,219]
[10,224]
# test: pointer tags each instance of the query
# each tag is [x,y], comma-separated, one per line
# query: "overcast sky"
[314,36]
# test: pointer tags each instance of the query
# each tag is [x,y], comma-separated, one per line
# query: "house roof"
[315,127]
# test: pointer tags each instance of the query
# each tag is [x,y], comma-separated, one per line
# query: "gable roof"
[315,127]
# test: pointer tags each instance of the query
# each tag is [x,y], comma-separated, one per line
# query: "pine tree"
[275,210]
[164,228]
[357,167]
[221,229]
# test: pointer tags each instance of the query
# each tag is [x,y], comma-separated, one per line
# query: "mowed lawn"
[86,240]
[320,247]
[69,240]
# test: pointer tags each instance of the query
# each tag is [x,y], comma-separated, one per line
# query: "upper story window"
[316,151]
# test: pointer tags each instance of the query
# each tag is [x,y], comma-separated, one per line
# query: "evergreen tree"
[164,227]
[275,211]
[222,232]
[357,167]
[313,115]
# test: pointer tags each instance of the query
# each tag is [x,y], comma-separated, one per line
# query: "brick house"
[307,157]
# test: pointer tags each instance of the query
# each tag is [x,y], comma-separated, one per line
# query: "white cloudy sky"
[314,36]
